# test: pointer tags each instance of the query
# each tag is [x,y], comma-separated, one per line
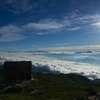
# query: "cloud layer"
[47,63]
[65,47]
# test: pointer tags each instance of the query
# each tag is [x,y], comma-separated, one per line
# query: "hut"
[17,70]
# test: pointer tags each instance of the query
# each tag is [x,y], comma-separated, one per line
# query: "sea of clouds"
[87,64]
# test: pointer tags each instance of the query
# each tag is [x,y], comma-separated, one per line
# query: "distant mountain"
[64,79]
[88,51]
[79,79]
[83,52]
[96,82]
[79,52]
[37,51]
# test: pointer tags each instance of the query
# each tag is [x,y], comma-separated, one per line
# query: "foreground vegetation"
[49,87]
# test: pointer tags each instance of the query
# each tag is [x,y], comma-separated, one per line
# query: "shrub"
[92,91]
[13,89]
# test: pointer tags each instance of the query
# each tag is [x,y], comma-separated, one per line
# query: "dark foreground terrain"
[50,87]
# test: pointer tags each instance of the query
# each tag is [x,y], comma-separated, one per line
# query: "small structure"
[17,70]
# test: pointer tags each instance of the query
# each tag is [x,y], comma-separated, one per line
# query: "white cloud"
[10,33]
[74,29]
[9,29]
[82,20]
[11,37]
[96,24]
[45,26]
[41,28]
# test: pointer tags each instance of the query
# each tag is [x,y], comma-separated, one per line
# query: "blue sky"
[49,24]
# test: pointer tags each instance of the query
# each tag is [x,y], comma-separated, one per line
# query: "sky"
[50,25]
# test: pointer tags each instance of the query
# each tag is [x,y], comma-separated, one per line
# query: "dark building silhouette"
[17,70]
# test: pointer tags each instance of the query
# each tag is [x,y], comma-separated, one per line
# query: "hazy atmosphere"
[58,36]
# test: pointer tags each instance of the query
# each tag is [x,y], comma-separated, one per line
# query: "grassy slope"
[50,87]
